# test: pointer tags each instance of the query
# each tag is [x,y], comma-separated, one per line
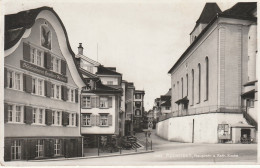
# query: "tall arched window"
[181,87]
[199,82]
[192,88]
[207,77]
[187,80]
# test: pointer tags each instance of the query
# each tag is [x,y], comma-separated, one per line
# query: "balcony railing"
[203,110]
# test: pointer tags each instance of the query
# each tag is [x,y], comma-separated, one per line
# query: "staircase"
[250,120]
[137,145]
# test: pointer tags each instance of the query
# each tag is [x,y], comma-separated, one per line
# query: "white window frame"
[41,87]
[39,148]
[57,147]
[35,58]
[14,83]
[109,82]
[72,95]
[36,116]
[12,114]
[72,119]
[103,103]
[86,99]
[18,83]
[16,150]
[59,118]
[103,117]
[86,120]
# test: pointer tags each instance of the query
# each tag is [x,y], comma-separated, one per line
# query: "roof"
[100,88]
[207,14]
[224,15]
[139,91]
[106,71]
[169,93]
[16,25]
[242,125]
[165,97]
[242,9]
[166,103]
[87,73]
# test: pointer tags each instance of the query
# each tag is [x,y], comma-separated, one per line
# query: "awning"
[251,83]
[182,101]
[249,94]
[242,125]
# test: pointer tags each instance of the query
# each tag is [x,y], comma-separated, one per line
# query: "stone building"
[214,82]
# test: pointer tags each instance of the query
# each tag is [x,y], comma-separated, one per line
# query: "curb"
[91,157]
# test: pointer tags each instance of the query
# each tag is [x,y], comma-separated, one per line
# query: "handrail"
[203,110]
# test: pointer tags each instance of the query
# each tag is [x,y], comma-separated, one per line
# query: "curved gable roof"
[25,20]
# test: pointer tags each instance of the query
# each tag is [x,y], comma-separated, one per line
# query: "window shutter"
[47,86]
[6,112]
[76,96]
[32,148]
[28,115]
[110,120]
[110,102]
[63,67]
[27,83]
[26,52]
[97,120]
[7,149]
[48,117]
[5,78]
[93,102]
[47,60]
[97,102]
[51,147]
[65,117]
[64,93]
[77,119]
[93,120]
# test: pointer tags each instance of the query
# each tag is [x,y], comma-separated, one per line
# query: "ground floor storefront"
[31,148]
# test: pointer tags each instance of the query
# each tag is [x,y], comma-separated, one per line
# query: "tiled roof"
[105,71]
[166,103]
[103,88]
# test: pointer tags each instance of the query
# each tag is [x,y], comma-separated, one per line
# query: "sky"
[142,39]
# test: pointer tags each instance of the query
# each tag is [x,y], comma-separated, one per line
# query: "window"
[53,117]
[110,82]
[39,148]
[207,77]
[181,87]
[58,118]
[192,76]
[34,115]
[34,83]
[15,113]
[137,96]
[40,118]
[68,93]
[103,102]
[199,83]
[167,108]
[18,81]
[72,95]
[250,103]
[72,119]
[86,119]
[36,56]
[137,112]
[52,63]
[16,150]
[40,87]
[57,146]
[57,65]
[104,120]
[187,80]
[86,102]
[18,114]
[10,113]
[57,91]
[10,80]
[52,90]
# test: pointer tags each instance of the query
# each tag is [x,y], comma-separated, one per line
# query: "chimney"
[80,49]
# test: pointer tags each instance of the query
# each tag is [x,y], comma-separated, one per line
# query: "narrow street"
[168,153]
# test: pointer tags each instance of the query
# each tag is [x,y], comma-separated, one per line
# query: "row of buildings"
[214,82]
[55,101]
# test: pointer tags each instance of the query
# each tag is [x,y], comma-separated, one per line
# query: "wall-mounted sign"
[42,71]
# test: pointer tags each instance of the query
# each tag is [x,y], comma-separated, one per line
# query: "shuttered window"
[16,150]
[27,83]
[28,116]
[65,118]
[103,102]
[63,67]
[103,120]
[26,52]
[48,117]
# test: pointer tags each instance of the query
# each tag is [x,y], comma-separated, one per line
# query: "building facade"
[213,82]
[100,103]
[42,88]
[129,105]
[138,110]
